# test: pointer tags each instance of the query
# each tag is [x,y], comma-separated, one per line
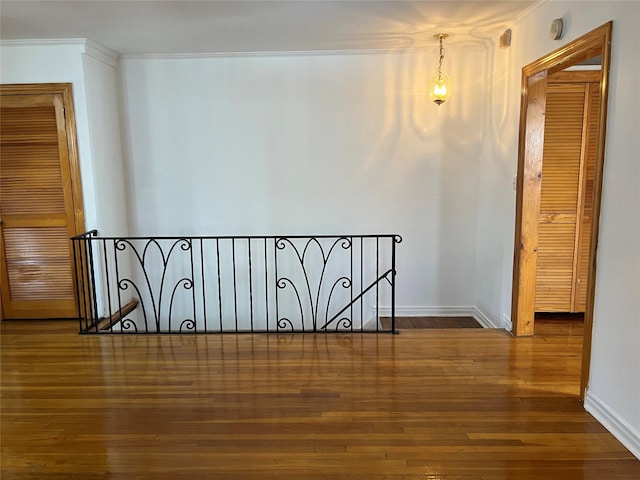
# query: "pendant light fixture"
[440,84]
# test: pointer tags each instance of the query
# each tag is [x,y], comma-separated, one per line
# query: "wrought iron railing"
[235,284]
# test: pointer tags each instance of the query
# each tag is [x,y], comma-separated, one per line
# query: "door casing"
[528,180]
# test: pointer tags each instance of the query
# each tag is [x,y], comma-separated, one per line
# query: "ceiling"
[175,27]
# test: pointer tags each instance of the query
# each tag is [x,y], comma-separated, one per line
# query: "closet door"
[37,207]
[559,197]
[567,191]
[584,235]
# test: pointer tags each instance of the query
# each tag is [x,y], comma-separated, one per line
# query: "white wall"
[102,97]
[313,144]
[614,385]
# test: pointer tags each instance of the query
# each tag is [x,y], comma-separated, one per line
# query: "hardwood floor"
[426,404]
[548,324]
[430,322]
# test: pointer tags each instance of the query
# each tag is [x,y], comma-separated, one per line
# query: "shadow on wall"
[321,144]
[461,128]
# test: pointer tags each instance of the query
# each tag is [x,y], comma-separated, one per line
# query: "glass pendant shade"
[440,84]
[440,88]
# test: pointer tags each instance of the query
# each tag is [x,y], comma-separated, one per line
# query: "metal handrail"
[218,284]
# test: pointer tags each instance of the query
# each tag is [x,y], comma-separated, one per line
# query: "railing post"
[94,304]
[107,286]
[393,285]
[377,284]
[74,244]
[84,272]
[83,281]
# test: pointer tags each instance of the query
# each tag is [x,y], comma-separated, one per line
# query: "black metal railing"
[235,283]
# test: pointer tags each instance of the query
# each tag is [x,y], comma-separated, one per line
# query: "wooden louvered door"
[566,192]
[39,201]
[585,214]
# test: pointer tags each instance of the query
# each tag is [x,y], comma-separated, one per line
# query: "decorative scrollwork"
[284,324]
[282,283]
[187,284]
[312,298]
[128,324]
[346,243]
[155,295]
[123,284]
[345,282]
[343,324]
[187,325]
[121,244]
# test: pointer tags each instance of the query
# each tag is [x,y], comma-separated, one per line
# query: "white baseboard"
[482,319]
[506,320]
[424,311]
[488,322]
[443,311]
[619,428]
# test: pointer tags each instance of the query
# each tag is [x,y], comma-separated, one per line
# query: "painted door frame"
[529,176]
[65,90]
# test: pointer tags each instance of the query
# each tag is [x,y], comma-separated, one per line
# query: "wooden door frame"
[528,180]
[65,90]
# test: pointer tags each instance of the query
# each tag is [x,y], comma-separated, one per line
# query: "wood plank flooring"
[548,324]
[430,322]
[472,404]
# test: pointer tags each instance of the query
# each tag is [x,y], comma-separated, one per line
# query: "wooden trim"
[529,183]
[582,172]
[575,76]
[596,42]
[74,158]
[515,281]
[581,49]
[108,322]
[34,88]
[529,166]
[69,206]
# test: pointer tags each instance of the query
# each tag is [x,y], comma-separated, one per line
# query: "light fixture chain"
[441,59]
[439,85]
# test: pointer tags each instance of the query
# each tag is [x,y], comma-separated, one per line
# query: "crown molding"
[40,42]
[101,53]
[296,53]
[86,45]
[525,13]
[495,41]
